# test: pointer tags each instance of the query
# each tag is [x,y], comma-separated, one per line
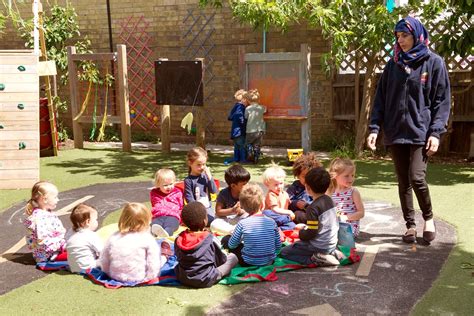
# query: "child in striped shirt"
[256,239]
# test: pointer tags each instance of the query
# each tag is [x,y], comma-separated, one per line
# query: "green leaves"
[458,39]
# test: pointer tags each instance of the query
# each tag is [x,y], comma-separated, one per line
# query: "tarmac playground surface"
[390,278]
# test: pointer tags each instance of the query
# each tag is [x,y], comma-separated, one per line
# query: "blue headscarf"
[420,44]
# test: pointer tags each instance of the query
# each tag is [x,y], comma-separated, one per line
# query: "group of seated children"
[250,222]
[248,126]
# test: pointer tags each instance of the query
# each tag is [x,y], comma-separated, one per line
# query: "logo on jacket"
[424,77]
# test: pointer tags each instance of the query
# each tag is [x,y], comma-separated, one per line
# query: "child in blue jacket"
[239,122]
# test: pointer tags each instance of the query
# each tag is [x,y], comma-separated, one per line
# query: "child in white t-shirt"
[84,246]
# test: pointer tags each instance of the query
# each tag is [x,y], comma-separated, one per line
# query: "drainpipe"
[264,44]
[264,41]
[109,20]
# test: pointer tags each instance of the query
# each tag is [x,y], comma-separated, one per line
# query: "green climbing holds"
[21,68]
[1,126]
[2,87]
[21,145]
[20,106]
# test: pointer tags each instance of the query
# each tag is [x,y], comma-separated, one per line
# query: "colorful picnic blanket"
[238,275]
[241,274]
[167,277]
[52,266]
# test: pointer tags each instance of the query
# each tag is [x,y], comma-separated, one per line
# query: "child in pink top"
[45,236]
[166,204]
[132,254]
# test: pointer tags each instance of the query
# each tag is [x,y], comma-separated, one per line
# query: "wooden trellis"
[135,35]
[454,63]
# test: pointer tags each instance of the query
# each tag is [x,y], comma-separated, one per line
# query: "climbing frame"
[119,60]
[19,119]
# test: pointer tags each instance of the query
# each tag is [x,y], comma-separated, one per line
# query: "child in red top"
[166,204]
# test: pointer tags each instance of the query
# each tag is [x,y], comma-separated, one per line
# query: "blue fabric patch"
[52,266]
[167,277]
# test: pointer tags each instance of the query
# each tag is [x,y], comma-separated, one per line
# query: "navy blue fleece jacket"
[198,258]
[413,106]
[237,116]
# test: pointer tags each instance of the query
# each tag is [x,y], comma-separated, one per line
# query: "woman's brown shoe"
[410,236]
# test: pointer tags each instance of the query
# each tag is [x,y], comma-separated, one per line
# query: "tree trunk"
[367,101]
[356,89]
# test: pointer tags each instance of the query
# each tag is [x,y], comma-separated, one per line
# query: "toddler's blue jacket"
[237,116]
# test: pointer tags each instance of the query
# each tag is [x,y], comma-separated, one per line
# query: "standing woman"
[412,106]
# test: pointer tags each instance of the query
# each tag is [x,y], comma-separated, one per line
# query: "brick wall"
[167,29]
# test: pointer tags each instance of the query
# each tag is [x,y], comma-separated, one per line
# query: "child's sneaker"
[339,255]
[324,260]
[158,231]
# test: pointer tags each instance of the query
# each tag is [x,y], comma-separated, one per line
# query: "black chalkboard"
[179,82]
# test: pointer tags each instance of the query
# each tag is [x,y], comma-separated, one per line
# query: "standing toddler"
[237,132]
[255,123]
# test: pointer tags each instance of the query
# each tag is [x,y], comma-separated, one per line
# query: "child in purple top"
[166,204]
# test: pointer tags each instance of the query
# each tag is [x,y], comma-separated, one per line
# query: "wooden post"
[201,118]
[165,125]
[200,127]
[76,126]
[165,129]
[356,91]
[123,98]
[305,75]
[44,57]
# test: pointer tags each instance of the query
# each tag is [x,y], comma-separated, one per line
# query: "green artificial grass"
[452,194]
[65,293]
[451,188]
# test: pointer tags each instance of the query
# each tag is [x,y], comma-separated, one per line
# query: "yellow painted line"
[22,242]
[65,210]
[7,254]
[367,260]
[324,309]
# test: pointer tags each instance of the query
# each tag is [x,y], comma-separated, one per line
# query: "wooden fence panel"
[463,117]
